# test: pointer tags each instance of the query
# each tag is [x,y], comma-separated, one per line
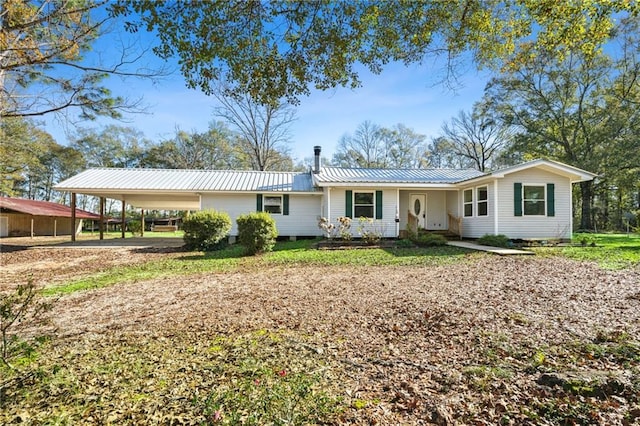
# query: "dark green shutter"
[259,202]
[285,204]
[517,199]
[348,201]
[551,200]
[378,204]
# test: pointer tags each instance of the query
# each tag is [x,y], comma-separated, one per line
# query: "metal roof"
[577,174]
[42,208]
[330,175]
[187,180]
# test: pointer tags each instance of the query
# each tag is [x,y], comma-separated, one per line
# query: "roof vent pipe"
[316,157]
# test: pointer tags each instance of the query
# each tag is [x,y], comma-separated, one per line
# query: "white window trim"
[478,201]
[465,203]
[544,188]
[373,205]
[264,204]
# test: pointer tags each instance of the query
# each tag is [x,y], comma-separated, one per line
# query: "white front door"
[418,206]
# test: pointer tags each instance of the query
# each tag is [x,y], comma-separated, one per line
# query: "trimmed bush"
[257,232]
[205,230]
[428,240]
[494,240]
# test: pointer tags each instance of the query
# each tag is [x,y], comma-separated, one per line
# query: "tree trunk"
[586,190]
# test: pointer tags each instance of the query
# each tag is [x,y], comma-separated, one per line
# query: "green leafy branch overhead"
[282,49]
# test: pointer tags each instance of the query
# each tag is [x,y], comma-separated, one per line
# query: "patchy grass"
[261,377]
[302,252]
[274,340]
[265,378]
[611,251]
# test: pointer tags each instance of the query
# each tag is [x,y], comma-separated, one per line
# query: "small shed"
[20,218]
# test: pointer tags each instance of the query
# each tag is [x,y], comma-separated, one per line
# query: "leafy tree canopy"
[44,65]
[279,49]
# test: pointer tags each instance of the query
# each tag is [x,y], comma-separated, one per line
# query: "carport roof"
[170,180]
[42,208]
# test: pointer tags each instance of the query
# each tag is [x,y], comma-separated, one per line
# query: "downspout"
[496,224]
[329,204]
[397,212]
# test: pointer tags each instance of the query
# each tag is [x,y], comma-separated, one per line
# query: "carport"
[140,188]
[22,217]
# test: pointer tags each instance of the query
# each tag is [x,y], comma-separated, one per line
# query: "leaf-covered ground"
[488,340]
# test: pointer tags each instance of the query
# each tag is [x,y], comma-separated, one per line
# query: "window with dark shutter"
[517,199]
[378,204]
[551,200]
[533,200]
[348,201]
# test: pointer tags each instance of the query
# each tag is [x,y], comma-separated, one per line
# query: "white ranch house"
[532,200]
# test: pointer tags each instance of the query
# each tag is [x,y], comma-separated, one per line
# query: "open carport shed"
[20,217]
[177,189]
[141,188]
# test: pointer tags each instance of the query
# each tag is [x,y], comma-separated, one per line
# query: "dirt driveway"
[49,260]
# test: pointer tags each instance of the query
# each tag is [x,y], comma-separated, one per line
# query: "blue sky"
[410,95]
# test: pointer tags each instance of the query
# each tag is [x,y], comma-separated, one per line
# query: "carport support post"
[73,216]
[101,225]
[122,218]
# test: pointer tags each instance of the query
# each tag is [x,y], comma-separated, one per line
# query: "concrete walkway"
[496,250]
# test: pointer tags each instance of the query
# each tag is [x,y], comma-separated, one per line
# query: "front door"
[418,206]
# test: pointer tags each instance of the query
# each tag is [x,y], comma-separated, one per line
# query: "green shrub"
[257,232]
[22,305]
[494,240]
[428,240]
[206,230]
[135,227]
[405,243]
[585,239]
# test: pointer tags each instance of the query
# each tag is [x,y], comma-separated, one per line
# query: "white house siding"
[404,208]
[477,226]
[452,203]
[535,227]
[436,210]
[387,223]
[302,220]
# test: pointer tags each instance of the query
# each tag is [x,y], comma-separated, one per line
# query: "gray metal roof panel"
[408,176]
[188,180]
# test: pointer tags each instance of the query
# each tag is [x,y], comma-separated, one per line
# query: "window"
[273,204]
[533,198]
[363,204]
[482,201]
[468,202]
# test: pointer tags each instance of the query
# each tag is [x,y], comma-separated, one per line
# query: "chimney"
[316,156]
